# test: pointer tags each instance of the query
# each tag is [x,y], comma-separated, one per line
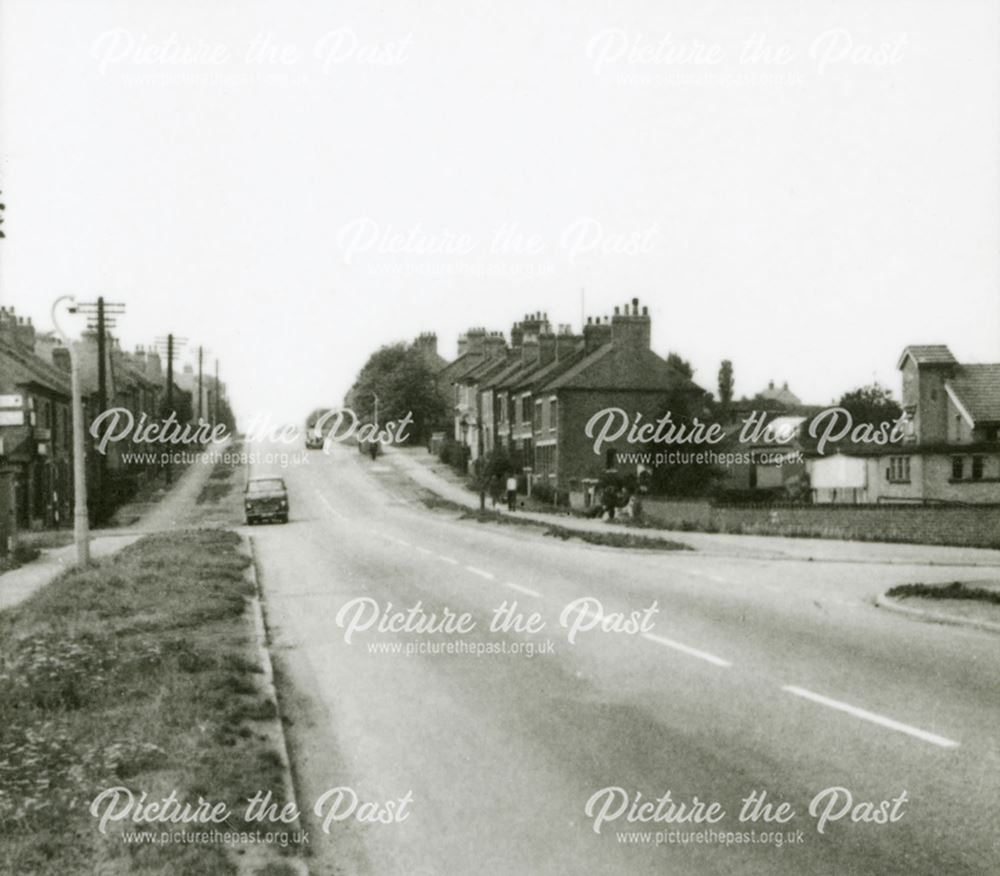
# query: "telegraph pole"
[215,398]
[171,342]
[100,317]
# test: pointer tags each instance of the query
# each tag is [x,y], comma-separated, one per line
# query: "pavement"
[766,667]
[415,463]
[169,513]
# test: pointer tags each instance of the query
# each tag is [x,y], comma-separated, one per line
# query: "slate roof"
[611,368]
[457,368]
[22,368]
[978,388]
[928,354]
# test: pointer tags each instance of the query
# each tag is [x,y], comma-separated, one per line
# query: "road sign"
[11,401]
[11,418]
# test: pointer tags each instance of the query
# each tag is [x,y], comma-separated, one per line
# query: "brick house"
[35,433]
[951,452]
[491,351]
[614,367]
[548,356]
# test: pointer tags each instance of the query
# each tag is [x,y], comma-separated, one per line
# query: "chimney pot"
[645,310]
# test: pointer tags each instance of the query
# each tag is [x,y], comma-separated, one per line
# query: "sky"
[803,189]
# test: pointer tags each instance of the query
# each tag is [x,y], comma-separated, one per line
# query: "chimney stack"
[631,330]
[595,334]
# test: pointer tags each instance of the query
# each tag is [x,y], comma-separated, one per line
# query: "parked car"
[266,498]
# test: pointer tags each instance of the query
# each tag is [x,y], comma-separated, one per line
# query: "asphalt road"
[755,675]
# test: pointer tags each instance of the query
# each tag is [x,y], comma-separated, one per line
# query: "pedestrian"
[511,493]
[609,499]
[495,490]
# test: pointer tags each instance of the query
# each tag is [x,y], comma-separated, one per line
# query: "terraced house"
[535,398]
[35,434]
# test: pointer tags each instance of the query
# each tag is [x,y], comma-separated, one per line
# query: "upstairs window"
[977,468]
[957,468]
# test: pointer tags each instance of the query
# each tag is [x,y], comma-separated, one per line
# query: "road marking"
[687,649]
[489,576]
[451,560]
[399,541]
[865,715]
[330,507]
[526,590]
[424,550]
[707,575]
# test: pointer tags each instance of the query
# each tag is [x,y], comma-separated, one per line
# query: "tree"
[404,383]
[725,384]
[871,404]
[685,479]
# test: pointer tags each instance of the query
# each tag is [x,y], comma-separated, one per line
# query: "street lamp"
[81,523]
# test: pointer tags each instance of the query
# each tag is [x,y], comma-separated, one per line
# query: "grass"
[955,590]
[605,539]
[221,481]
[140,671]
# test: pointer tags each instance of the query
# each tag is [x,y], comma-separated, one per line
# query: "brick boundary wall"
[961,526]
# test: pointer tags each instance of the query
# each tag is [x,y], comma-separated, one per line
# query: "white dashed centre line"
[489,576]
[865,715]
[330,507]
[424,550]
[687,649]
[399,541]
[526,590]
[450,560]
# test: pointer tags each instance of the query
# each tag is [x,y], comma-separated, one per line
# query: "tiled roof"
[20,367]
[611,368]
[928,354]
[541,376]
[978,388]
[128,374]
[458,367]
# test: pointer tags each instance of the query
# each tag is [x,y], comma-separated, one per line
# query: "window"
[957,468]
[977,468]
[552,415]
[545,461]
[899,469]
[539,413]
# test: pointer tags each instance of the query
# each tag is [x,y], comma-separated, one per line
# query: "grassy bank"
[605,539]
[139,672]
[955,590]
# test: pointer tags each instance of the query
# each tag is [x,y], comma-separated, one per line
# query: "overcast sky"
[803,188]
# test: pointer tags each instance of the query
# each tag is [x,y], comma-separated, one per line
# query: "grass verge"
[605,539]
[955,590]
[139,672]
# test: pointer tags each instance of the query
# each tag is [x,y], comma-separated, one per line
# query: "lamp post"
[81,523]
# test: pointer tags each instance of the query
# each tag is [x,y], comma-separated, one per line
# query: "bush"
[545,493]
